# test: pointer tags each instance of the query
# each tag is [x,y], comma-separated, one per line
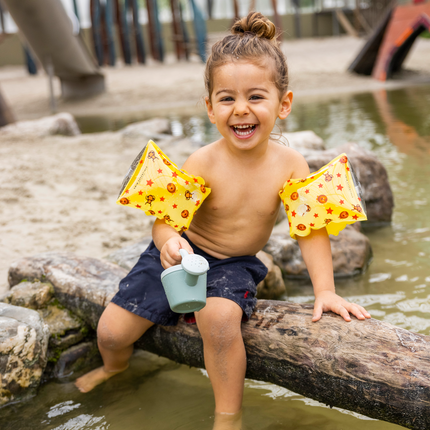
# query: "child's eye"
[255,97]
[227,99]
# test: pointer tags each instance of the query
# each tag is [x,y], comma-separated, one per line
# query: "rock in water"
[32,295]
[273,286]
[81,284]
[351,253]
[62,123]
[23,347]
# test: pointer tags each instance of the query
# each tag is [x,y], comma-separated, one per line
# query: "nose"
[241,108]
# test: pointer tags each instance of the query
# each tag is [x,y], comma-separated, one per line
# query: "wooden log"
[370,367]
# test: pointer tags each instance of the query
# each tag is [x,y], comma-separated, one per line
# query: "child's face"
[245,103]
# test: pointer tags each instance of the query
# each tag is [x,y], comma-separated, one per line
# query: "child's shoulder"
[202,160]
[291,159]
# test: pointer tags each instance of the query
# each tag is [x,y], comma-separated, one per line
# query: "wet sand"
[58,193]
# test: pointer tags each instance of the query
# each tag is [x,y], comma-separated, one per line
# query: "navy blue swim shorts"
[142,293]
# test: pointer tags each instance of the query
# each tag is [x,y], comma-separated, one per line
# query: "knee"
[108,337]
[221,329]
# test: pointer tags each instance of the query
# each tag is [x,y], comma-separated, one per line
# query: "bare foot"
[91,379]
[228,421]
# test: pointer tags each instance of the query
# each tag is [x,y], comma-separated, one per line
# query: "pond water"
[158,394]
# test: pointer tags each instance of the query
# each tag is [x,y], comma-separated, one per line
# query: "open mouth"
[243,130]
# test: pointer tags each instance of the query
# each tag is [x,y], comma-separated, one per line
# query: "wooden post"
[278,22]
[178,38]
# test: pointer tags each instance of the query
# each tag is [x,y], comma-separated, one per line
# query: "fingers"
[344,313]
[318,310]
[170,255]
[358,311]
[184,244]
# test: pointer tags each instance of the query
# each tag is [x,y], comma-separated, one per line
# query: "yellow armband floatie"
[328,198]
[157,186]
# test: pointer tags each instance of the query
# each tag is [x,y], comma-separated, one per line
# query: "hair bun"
[255,23]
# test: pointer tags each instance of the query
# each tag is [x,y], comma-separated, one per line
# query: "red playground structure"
[387,48]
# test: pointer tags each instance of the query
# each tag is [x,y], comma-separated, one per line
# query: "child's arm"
[168,241]
[316,253]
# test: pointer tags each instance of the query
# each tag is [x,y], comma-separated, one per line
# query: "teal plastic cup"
[185,283]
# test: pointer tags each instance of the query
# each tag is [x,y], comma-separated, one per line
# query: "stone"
[370,172]
[66,328]
[351,253]
[32,295]
[273,285]
[306,139]
[154,129]
[62,123]
[23,352]
[73,359]
[83,285]
[127,257]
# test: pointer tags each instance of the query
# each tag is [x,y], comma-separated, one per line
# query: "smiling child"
[247,91]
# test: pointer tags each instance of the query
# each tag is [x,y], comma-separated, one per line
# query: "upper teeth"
[242,126]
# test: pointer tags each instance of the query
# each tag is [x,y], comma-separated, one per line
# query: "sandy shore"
[58,193]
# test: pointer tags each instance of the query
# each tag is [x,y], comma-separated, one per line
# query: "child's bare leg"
[117,330]
[225,359]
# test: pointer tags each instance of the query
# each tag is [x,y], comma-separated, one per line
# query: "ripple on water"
[84,421]
[377,299]
[415,305]
[412,323]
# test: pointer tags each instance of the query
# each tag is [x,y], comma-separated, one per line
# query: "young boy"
[245,171]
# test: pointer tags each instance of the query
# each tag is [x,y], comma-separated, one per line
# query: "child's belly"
[232,237]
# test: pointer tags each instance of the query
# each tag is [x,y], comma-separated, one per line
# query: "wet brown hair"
[253,39]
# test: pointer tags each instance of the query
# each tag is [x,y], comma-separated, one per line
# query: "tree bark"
[370,367]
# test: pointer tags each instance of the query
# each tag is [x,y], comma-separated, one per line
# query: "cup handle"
[183,252]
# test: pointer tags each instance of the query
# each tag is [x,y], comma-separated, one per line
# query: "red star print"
[289,180]
[195,180]
[160,170]
[186,182]
[160,212]
[141,161]
[174,174]
[138,206]
[140,193]
[355,217]
[320,185]
[150,183]
[329,211]
[175,206]
[347,169]
[315,215]
[159,152]
[359,199]
[339,187]
[176,226]
[312,177]
[312,224]
[162,199]
[197,202]
[307,191]
[289,224]
[338,175]
[126,191]
[291,184]
[293,213]
[341,202]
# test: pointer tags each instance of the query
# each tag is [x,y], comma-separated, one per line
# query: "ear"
[285,107]
[210,110]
